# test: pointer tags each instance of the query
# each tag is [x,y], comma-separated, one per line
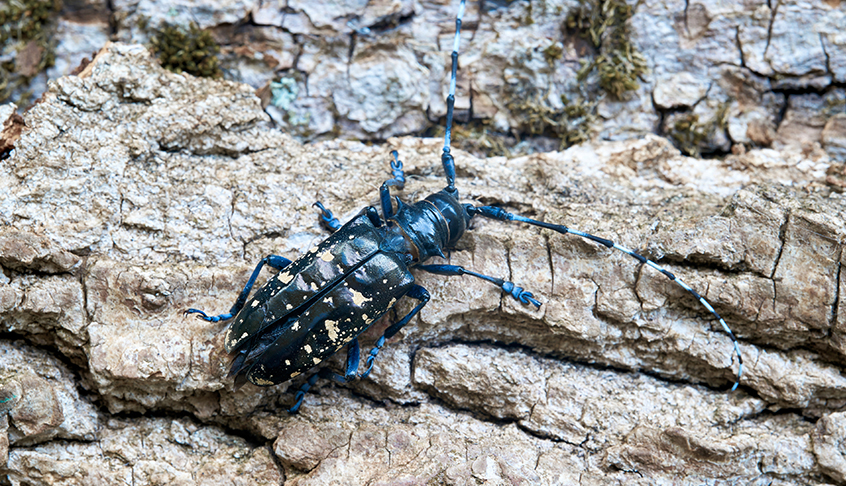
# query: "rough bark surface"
[134,193]
[721,75]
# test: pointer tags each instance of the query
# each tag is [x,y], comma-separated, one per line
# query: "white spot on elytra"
[359,298]
[295,326]
[307,349]
[288,306]
[326,256]
[313,286]
[332,329]
[316,360]
[328,300]
[286,277]
[287,363]
[313,249]
[255,303]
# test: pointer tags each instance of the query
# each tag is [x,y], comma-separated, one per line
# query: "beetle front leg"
[514,291]
[416,292]
[274,261]
[398,179]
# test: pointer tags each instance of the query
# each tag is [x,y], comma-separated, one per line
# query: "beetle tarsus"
[202,315]
[373,353]
[521,295]
[302,391]
[397,175]
[327,217]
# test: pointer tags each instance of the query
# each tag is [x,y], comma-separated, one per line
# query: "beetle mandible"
[324,300]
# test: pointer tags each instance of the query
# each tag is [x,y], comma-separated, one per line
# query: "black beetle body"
[324,300]
[318,304]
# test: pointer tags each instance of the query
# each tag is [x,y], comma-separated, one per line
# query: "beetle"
[320,303]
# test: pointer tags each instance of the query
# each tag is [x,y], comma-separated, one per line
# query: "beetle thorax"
[433,224]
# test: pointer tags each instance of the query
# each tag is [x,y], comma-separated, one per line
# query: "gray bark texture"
[133,193]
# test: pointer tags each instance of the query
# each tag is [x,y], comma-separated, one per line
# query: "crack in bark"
[782,236]
[827,57]
[770,28]
[836,304]
[739,45]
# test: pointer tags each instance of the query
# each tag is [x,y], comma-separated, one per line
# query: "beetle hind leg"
[416,292]
[351,373]
[274,261]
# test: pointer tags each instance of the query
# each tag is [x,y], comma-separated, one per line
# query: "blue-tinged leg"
[274,261]
[302,391]
[502,215]
[351,373]
[451,270]
[416,292]
[373,215]
[327,217]
[385,200]
[397,181]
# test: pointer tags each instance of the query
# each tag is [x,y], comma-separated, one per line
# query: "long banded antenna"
[446,158]
[502,215]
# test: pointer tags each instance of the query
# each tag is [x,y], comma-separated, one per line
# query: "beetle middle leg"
[416,292]
[274,261]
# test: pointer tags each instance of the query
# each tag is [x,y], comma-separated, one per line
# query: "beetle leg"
[398,179]
[502,215]
[275,261]
[302,391]
[385,200]
[328,218]
[373,215]
[517,292]
[353,359]
[416,292]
